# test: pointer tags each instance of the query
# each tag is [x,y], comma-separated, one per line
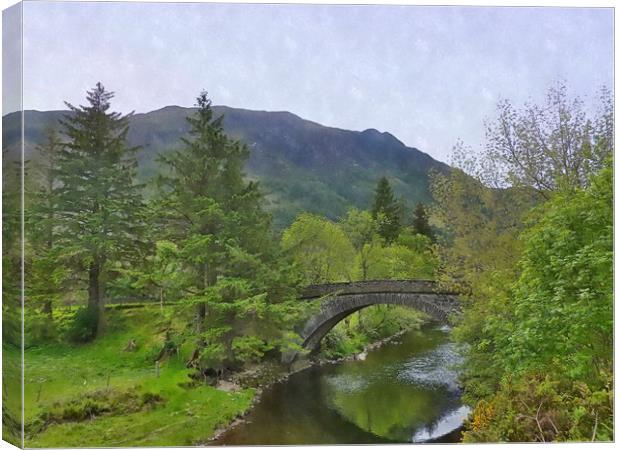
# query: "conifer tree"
[12,172]
[46,274]
[98,201]
[224,245]
[420,223]
[387,211]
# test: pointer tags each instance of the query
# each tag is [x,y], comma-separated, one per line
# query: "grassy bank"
[104,394]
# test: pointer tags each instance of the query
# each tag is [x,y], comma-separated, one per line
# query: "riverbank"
[102,394]
[406,387]
[264,376]
[107,393]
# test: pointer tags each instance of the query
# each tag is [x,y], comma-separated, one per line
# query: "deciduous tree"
[320,249]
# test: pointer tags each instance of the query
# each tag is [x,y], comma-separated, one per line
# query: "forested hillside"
[302,165]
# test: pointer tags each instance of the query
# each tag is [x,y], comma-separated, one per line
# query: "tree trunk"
[47,308]
[95,299]
[201,314]
[206,278]
[201,308]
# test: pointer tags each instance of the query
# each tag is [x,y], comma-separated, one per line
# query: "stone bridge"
[338,300]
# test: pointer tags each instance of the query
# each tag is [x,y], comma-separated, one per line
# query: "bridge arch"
[339,300]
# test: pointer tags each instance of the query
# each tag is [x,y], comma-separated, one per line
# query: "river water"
[405,391]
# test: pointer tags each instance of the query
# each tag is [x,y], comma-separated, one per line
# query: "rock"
[227,386]
[361,356]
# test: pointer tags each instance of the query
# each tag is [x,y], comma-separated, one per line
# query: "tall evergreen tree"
[12,172]
[387,211]
[46,273]
[223,240]
[420,223]
[98,201]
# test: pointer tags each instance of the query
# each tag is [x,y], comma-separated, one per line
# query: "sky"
[428,75]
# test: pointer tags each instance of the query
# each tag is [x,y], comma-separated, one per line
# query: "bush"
[249,348]
[543,408]
[94,404]
[84,325]
[338,343]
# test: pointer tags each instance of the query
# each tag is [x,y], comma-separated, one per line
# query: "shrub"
[84,325]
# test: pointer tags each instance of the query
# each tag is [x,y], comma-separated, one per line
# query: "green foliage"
[217,241]
[537,319]
[360,227]
[319,248]
[341,342]
[543,408]
[84,325]
[11,252]
[420,224]
[397,262]
[554,319]
[563,300]
[387,211]
[158,275]
[363,231]
[48,278]
[250,348]
[535,286]
[409,256]
[367,326]
[98,204]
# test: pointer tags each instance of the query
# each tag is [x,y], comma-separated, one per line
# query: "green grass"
[59,375]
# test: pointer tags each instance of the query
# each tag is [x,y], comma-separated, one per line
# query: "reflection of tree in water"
[373,396]
[448,423]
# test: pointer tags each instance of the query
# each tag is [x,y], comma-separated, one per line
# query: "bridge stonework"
[338,300]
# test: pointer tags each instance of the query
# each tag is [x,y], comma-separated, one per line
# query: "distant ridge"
[302,165]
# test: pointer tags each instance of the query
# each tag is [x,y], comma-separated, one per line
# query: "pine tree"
[41,222]
[12,172]
[98,202]
[420,223]
[223,241]
[387,211]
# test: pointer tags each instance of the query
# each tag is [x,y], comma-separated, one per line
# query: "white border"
[552,3]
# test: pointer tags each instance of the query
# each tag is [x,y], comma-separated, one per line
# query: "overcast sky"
[428,75]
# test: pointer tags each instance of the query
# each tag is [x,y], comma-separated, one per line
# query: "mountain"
[302,165]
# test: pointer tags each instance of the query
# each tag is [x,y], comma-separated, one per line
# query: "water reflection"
[450,422]
[403,392]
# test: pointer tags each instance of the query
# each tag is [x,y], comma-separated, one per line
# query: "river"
[405,391]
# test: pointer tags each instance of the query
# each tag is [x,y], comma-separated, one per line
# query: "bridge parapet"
[338,300]
[375,287]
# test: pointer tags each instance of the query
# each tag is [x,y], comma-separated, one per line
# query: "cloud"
[446,66]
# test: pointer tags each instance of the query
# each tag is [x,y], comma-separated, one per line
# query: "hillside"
[302,165]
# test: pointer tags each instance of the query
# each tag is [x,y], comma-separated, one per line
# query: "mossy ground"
[99,394]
